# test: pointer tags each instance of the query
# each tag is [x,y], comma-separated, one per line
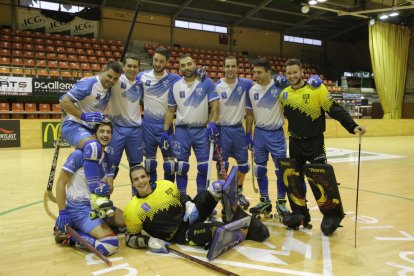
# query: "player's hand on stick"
[92,117]
[157,245]
[280,81]
[164,141]
[62,220]
[213,133]
[249,141]
[360,130]
[314,81]
[191,212]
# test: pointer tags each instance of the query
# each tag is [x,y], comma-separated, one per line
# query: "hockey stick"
[206,264]
[49,192]
[255,189]
[131,29]
[92,249]
[357,194]
[210,163]
[46,206]
[217,153]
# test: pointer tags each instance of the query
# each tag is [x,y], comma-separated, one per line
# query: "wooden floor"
[385,232]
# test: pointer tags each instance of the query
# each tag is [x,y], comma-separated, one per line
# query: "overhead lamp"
[383,16]
[313,2]
[372,21]
[394,14]
[305,9]
[321,1]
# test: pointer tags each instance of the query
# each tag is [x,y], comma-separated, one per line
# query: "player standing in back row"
[125,114]
[233,92]
[157,82]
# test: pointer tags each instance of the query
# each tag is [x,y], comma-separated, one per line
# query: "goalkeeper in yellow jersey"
[159,214]
[304,106]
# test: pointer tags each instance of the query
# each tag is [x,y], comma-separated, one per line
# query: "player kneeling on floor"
[73,199]
[159,214]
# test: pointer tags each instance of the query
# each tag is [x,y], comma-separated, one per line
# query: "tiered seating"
[30,111]
[213,60]
[34,54]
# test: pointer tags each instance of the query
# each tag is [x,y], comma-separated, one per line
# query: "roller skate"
[263,208]
[281,209]
[101,207]
[243,201]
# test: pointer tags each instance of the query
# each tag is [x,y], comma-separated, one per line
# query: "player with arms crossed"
[190,97]
[157,82]
[305,107]
[125,113]
[73,199]
[232,91]
[84,105]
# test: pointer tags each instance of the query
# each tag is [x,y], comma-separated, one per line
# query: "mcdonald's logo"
[54,127]
[50,131]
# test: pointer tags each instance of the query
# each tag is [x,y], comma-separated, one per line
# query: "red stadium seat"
[4,71]
[30,109]
[45,108]
[58,110]
[4,110]
[17,111]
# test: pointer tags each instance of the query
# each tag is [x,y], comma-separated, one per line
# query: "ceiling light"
[305,9]
[321,1]
[372,21]
[312,2]
[383,16]
[394,14]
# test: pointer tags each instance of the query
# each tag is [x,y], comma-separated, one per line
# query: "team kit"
[231,118]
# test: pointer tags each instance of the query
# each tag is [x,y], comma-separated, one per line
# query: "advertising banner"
[9,133]
[51,87]
[50,132]
[32,19]
[15,86]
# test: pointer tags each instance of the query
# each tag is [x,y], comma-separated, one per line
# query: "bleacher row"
[213,60]
[35,54]
[30,111]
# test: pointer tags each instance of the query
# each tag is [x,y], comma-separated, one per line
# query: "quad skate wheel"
[92,215]
[101,214]
[110,213]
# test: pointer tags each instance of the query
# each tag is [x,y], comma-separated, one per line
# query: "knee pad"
[92,150]
[182,168]
[243,168]
[150,165]
[107,245]
[202,168]
[169,167]
[226,166]
[260,171]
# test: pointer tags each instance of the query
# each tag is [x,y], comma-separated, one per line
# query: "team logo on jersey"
[199,90]
[256,96]
[239,90]
[123,85]
[169,191]
[285,95]
[306,98]
[182,94]
[98,97]
[148,83]
[165,83]
[146,207]
[224,95]
[274,93]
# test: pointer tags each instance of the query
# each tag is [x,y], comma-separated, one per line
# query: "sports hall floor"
[385,229]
